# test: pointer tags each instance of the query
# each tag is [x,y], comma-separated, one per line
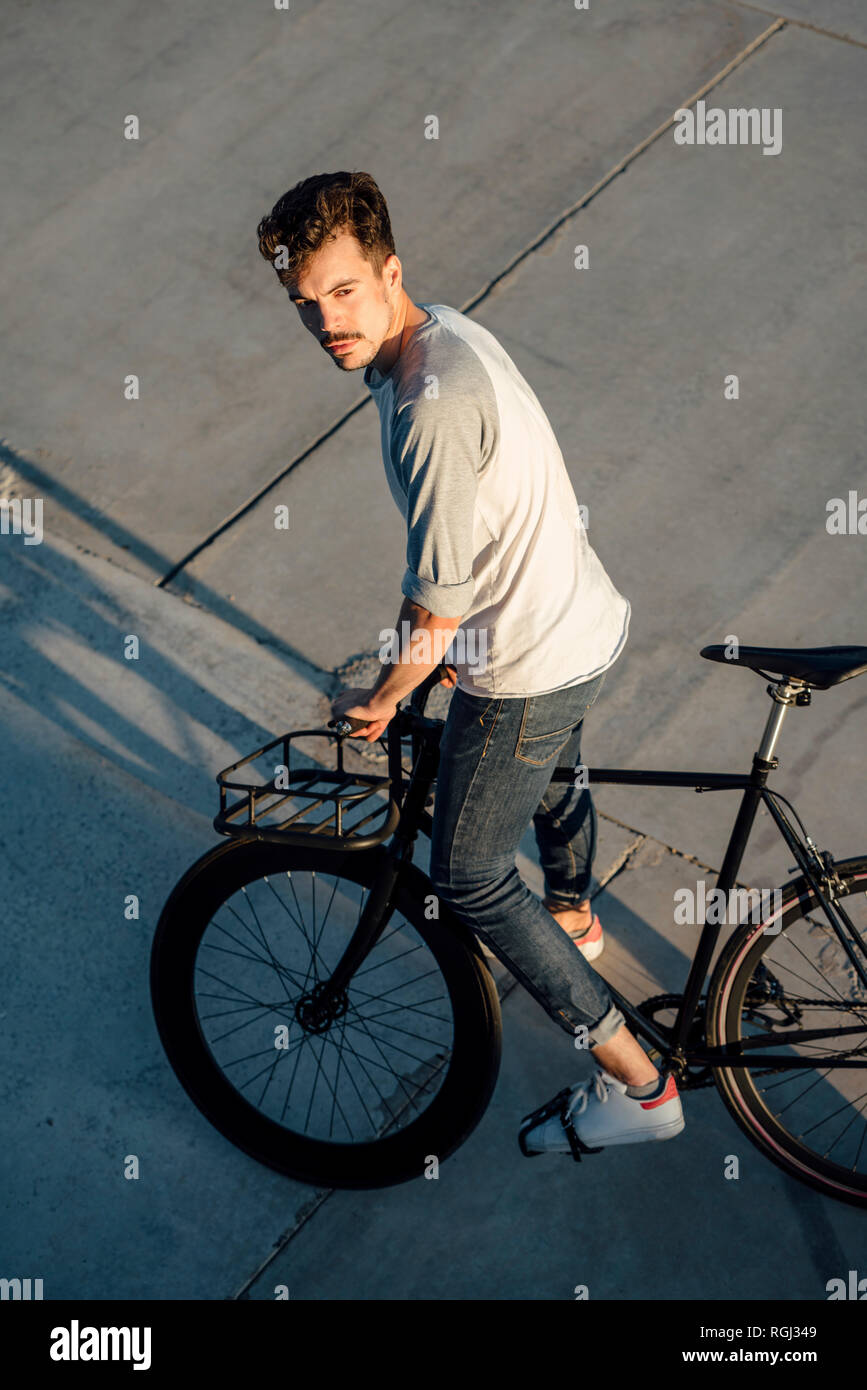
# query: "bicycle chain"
[698,1080]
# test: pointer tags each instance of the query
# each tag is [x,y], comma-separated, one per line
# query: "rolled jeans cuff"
[557,901]
[603,1031]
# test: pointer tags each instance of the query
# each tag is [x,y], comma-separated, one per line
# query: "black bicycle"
[333,1019]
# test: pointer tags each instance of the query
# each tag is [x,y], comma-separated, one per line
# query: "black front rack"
[250,816]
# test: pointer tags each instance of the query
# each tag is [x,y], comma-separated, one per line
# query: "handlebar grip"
[347,724]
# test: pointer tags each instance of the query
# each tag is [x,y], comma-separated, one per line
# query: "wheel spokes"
[379,1058]
[805,981]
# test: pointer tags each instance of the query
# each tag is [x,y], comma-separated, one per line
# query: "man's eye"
[304,303]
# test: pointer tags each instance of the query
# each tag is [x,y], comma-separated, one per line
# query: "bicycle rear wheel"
[811,1122]
[401,1074]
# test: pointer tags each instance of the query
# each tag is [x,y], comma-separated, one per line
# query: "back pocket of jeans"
[538,745]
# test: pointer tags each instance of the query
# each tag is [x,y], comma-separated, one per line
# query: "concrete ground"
[139,257]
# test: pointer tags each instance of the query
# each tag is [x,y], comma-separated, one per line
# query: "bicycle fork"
[380,904]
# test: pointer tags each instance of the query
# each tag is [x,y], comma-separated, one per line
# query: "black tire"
[782,1111]
[467,1068]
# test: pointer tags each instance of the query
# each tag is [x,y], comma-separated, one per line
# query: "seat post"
[784,694]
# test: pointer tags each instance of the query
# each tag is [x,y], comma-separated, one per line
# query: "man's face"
[342,301]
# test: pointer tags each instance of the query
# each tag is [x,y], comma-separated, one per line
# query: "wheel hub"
[320,1007]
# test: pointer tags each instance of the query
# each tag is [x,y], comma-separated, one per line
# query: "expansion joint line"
[477,299]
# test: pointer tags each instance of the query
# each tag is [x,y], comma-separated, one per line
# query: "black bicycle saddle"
[820,667]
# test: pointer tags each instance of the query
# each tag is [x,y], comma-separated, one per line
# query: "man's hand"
[451,677]
[355,701]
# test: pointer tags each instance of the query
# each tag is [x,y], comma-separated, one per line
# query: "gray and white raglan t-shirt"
[494,534]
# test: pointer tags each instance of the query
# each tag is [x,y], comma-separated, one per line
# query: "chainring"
[693,1078]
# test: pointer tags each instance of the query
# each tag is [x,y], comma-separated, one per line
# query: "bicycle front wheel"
[398,1076]
[777,977]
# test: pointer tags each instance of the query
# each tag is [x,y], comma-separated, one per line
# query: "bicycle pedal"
[555,1106]
[550,1107]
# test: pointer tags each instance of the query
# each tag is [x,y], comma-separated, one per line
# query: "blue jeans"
[496,761]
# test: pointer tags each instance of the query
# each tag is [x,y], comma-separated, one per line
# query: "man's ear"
[392,268]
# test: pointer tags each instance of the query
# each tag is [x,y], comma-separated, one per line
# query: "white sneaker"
[598,1113]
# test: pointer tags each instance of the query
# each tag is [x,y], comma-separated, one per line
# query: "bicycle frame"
[784,694]
[815,867]
[755,793]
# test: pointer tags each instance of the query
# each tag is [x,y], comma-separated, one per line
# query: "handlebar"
[348,723]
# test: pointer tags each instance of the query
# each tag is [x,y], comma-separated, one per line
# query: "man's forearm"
[406,668]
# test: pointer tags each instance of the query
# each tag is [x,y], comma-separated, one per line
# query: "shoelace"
[578,1104]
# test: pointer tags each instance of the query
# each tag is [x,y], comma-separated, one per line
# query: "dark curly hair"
[317,209]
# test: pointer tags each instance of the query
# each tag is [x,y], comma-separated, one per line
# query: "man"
[500,573]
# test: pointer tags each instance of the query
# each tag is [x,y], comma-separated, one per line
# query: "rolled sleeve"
[443,600]
[436,452]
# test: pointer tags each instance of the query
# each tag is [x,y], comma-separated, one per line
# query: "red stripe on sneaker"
[669,1093]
